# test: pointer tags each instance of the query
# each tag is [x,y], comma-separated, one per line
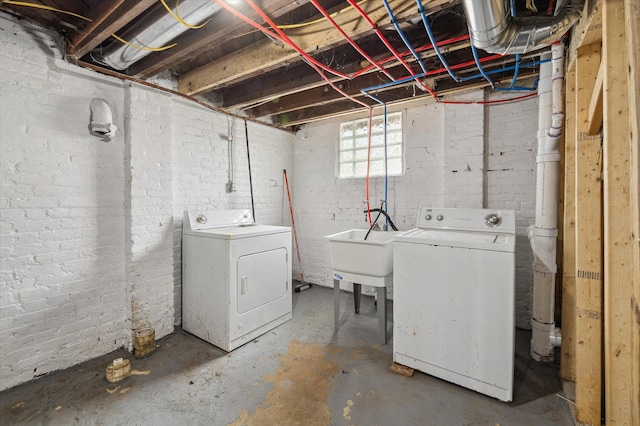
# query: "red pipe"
[324,13]
[284,39]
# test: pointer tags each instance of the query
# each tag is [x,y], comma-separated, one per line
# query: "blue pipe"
[433,42]
[471,77]
[479,65]
[394,21]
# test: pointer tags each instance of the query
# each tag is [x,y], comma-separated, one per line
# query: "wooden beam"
[595,105]
[111,24]
[632,13]
[588,246]
[221,26]
[297,79]
[617,218]
[568,349]
[587,31]
[268,54]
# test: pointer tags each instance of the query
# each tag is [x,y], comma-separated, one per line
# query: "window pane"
[346,170]
[394,121]
[361,169]
[346,144]
[394,151]
[377,168]
[361,155]
[346,156]
[394,137]
[377,153]
[362,142]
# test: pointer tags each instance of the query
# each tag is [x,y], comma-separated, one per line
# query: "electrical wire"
[42,6]
[66,12]
[316,21]
[179,19]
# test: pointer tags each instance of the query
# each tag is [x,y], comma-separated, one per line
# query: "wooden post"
[617,217]
[632,13]
[588,245]
[568,350]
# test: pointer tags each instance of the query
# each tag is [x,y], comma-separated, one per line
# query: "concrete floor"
[301,373]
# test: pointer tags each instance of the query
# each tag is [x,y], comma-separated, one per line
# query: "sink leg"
[336,302]
[382,313]
[357,291]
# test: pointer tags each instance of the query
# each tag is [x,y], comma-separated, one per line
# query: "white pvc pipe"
[544,234]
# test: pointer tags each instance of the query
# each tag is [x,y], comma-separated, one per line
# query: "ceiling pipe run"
[158,29]
[494,30]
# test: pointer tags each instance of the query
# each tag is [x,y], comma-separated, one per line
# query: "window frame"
[377,143]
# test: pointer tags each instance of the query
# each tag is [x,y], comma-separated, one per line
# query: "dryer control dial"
[439,217]
[492,220]
[201,219]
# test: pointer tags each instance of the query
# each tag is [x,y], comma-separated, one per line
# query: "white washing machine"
[236,277]
[453,279]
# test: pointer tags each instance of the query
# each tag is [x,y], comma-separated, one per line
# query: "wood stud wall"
[601,226]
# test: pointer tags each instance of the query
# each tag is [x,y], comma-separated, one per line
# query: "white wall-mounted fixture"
[101,124]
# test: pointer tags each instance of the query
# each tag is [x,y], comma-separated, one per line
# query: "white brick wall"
[62,269]
[511,179]
[149,210]
[90,230]
[456,156]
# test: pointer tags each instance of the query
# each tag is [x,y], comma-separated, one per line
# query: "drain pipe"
[543,235]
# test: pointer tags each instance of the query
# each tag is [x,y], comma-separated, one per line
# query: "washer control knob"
[428,217]
[201,219]
[439,217]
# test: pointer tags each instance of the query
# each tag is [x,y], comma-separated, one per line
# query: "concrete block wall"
[456,156]
[62,269]
[90,230]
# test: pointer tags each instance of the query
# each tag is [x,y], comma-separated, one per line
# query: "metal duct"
[493,29]
[158,29]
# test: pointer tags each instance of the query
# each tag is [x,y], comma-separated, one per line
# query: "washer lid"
[237,231]
[463,239]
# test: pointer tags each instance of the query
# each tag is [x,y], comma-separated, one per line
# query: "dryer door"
[262,278]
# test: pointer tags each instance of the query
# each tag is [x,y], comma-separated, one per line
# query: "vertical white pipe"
[544,233]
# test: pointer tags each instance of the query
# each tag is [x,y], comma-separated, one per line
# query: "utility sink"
[351,253]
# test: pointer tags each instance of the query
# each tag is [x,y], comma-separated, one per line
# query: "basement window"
[354,142]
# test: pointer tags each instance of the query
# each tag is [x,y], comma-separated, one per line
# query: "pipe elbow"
[493,29]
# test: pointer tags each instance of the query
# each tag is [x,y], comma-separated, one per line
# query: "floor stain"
[300,389]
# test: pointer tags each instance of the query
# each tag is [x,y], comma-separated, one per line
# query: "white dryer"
[236,277]
[453,297]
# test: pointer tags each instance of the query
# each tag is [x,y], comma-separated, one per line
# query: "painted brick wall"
[511,179]
[149,210]
[62,269]
[456,156]
[90,230]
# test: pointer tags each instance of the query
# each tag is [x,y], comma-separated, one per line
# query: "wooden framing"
[632,14]
[595,105]
[588,245]
[617,217]
[568,350]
